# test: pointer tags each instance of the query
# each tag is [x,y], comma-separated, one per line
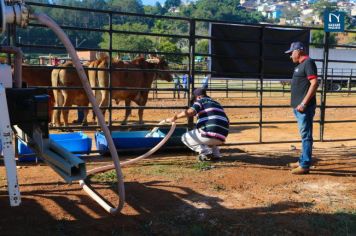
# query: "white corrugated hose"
[46,20]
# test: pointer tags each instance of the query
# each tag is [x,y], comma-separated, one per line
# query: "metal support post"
[6,137]
[191,84]
[324,85]
[349,83]
[261,71]
[110,73]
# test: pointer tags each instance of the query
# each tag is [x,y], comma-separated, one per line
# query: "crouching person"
[212,126]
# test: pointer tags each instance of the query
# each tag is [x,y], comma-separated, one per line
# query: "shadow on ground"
[157,211]
[161,208]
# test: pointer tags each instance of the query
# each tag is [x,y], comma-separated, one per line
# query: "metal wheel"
[336,87]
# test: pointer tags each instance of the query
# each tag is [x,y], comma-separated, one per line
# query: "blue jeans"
[305,126]
[185,86]
[80,115]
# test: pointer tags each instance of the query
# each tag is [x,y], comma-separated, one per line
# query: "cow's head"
[159,63]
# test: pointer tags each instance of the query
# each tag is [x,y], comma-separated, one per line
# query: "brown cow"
[98,78]
[69,78]
[141,100]
[133,79]
[67,97]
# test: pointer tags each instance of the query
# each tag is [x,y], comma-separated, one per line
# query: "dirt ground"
[249,192]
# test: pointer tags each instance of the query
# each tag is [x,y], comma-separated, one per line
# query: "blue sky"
[152,2]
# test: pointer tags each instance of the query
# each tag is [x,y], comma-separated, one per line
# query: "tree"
[167,46]
[202,46]
[318,38]
[323,5]
[350,23]
[229,10]
[161,10]
[129,42]
[291,13]
[169,27]
[134,6]
[155,10]
[172,3]
[130,6]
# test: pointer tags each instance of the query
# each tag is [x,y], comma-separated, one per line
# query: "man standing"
[211,129]
[303,101]
[177,86]
[205,82]
[185,84]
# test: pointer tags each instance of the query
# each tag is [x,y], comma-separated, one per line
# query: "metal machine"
[6,138]
[29,117]
[24,111]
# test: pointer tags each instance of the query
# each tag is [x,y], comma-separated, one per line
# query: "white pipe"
[95,196]
[147,154]
[44,19]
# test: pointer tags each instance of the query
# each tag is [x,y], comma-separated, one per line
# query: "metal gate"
[194,63]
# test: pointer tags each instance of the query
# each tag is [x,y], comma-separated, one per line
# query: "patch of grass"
[202,166]
[157,170]
[172,169]
[109,176]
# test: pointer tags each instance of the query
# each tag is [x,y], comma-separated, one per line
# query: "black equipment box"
[28,109]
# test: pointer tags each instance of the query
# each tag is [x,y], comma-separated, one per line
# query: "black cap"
[295,46]
[199,92]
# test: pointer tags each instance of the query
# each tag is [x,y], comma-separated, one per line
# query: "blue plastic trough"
[73,142]
[129,140]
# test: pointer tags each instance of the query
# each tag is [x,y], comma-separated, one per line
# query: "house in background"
[86,55]
[274,11]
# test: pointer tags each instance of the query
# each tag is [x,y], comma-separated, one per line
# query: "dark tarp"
[240,51]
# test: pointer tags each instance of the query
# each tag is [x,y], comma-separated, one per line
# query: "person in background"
[185,84]
[303,89]
[205,82]
[211,129]
[177,86]
[80,114]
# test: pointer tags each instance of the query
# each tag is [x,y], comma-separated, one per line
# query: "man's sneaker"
[300,171]
[293,165]
[296,164]
[204,157]
[216,152]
